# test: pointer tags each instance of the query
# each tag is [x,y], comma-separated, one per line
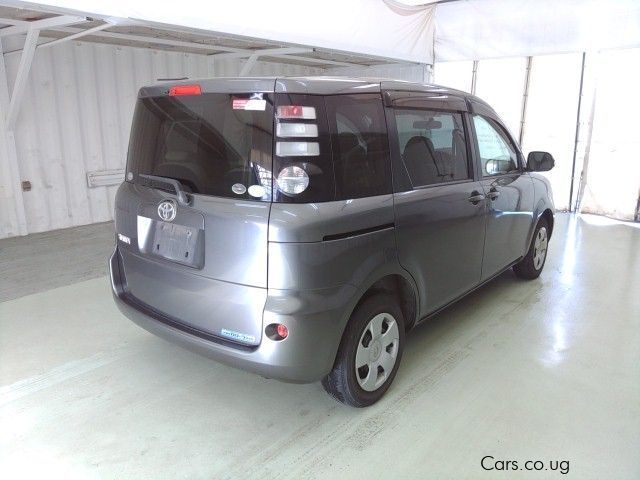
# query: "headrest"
[427,124]
[419,141]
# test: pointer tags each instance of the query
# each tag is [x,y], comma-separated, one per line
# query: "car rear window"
[213,144]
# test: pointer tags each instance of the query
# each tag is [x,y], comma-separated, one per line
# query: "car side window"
[360,145]
[432,146]
[498,155]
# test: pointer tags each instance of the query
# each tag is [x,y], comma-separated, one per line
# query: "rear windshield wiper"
[183,198]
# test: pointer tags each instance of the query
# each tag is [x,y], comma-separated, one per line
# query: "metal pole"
[474,76]
[73,36]
[575,143]
[525,98]
[584,175]
[26,59]
[248,65]
[8,152]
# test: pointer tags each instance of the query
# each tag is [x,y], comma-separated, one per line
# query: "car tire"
[531,265]
[374,337]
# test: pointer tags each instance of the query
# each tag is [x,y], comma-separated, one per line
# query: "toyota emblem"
[167,210]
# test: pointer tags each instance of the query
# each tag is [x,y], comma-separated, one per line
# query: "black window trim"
[443,184]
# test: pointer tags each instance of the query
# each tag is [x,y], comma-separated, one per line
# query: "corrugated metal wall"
[76,116]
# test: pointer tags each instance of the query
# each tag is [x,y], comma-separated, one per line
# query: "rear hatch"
[195,205]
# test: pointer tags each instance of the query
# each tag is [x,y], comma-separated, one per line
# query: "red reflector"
[185,90]
[290,111]
[282,331]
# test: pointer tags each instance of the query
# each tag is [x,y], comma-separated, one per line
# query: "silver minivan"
[299,227]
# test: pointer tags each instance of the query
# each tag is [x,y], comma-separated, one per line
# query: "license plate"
[175,242]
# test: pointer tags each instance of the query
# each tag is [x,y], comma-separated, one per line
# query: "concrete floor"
[43,261]
[545,370]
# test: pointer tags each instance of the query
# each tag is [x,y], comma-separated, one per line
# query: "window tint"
[497,153]
[205,143]
[432,146]
[360,145]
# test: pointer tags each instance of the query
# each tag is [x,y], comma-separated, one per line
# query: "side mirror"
[491,167]
[540,162]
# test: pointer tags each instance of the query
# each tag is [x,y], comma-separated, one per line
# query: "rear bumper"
[315,319]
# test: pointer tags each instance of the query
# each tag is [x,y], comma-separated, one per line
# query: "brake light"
[296,111]
[178,90]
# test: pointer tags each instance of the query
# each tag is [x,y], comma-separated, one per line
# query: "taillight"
[285,130]
[296,111]
[292,180]
[297,149]
[178,90]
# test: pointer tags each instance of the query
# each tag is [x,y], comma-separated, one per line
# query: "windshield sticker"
[249,104]
[238,188]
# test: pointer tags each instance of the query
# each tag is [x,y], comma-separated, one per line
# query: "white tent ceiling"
[351,26]
[479,29]
[364,32]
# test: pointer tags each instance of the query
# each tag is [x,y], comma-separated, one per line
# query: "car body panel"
[509,220]
[315,319]
[309,266]
[224,309]
[440,237]
[314,222]
[229,282]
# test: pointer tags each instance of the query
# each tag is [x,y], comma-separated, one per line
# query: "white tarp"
[478,29]
[373,27]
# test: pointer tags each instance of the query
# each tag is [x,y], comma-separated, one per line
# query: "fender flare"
[385,270]
[541,207]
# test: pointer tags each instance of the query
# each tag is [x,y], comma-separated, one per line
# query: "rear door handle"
[476,197]
[493,193]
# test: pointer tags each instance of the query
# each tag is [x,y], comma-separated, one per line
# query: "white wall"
[499,82]
[75,117]
[550,123]
[612,170]
[606,155]
[550,119]
[409,73]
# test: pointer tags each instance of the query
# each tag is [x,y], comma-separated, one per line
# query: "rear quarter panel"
[336,273]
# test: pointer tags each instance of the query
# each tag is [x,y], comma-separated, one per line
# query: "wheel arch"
[547,214]
[542,210]
[398,284]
